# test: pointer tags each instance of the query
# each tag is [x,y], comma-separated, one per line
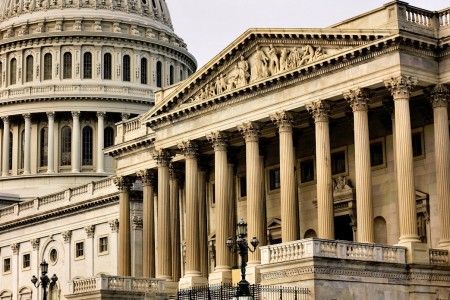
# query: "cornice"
[124,148]
[60,211]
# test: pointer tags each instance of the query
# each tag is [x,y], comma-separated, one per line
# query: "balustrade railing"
[419,16]
[444,17]
[438,257]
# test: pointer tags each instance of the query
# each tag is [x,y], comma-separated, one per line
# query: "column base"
[192,281]
[171,287]
[219,277]
[444,244]
[416,252]
[50,172]
[253,275]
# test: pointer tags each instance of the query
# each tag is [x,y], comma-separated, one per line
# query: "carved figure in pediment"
[243,73]
[274,65]
[209,91]
[284,60]
[220,84]
[308,55]
[260,65]
[116,28]
[293,59]
[232,79]
[318,54]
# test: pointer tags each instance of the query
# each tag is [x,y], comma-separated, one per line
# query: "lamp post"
[242,248]
[45,281]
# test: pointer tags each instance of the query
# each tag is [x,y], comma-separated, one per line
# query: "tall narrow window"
[181,75]
[13,71]
[1,72]
[47,66]
[66,146]
[126,68]
[22,148]
[87,65]
[107,66]
[172,74]
[108,137]
[144,70]
[67,64]
[29,74]
[10,150]
[43,160]
[159,74]
[87,146]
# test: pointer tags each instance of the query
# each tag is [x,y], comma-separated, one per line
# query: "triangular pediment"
[260,57]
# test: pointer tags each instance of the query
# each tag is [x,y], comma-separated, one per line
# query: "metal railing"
[258,292]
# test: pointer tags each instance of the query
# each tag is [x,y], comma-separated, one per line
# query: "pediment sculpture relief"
[265,62]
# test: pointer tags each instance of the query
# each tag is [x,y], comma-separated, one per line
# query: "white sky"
[208,26]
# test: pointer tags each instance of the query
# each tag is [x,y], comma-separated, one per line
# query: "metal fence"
[258,292]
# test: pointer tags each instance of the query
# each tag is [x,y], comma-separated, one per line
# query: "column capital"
[123,183]
[189,148]
[219,140]
[147,177]
[35,243]
[438,95]
[358,99]
[101,114]
[75,114]
[400,86]
[27,116]
[90,231]
[67,235]
[15,248]
[250,130]
[320,110]
[114,225]
[162,157]
[50,114]
[5,119]
[174,173]
[137,222]
[283,119]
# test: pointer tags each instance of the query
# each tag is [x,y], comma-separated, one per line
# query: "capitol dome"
[70,70]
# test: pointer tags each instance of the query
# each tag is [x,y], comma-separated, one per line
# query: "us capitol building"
[126,171]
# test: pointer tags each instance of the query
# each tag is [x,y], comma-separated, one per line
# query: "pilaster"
[100,141]
[27,144]
[76,142]
[6,145]
[51,143]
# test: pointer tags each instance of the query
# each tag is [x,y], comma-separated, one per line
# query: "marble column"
[113,251]
[137,252]
[400,88]
[219,140]
[67,238]
[358,100]
[100,141]
[164,252]
[27,144]
[439,97]
[175,221]
[192,274]
[320,112]
[255,205]
[76,142]
[289,209]
[148,240]
[124,184]
[90,261]
[51,143]
[6,145]
[203,220]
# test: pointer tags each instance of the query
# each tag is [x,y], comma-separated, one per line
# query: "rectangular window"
[274,179]
[103,245]
[26,261]
[79,250]
[377,154]
[307,170]
[418,144]
[338,162]
[242,186]
[6,265]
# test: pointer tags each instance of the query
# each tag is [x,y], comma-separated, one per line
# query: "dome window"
[87,146]
[126,68]
[87,65]
[29,72]
[171,75]
[66,146]
[144,70]
[159,74]
[47,66]
[13,71]
[107,66]
[67,64]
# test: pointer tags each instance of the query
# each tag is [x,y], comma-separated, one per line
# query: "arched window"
[47,66]
[380,230]
[107,66]
[87,65]
[29,73]
[66,146]
[22,148]
[67,65]
[144,70]
[310,233]
[159,74]
[181,75]
[10,149]
[108,137]
[126,68]
[43,160]
[13,71]
[87,146]
[171,76]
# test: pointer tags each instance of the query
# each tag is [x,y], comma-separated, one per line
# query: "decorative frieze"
[90,231]
[114,225]
[438,95]
[320,110]
[358,99]
[189,148]
[284,120]
[251,131]
[137,222]
[162,157]
[123,183]
[219,140]
[401,86]
[67,236]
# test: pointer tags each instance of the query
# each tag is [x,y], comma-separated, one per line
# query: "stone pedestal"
[192,281]
[416,253]
[218,277]
[253,275]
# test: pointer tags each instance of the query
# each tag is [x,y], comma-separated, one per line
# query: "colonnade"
[358,100]
[76,144]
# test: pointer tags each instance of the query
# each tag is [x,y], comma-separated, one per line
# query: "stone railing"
[131,129]
[420,16]
[438,257]
[117,283]
[83,192]
[314,247]
[444,18]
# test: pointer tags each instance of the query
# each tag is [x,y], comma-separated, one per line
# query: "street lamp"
[242,248]
[44,279]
